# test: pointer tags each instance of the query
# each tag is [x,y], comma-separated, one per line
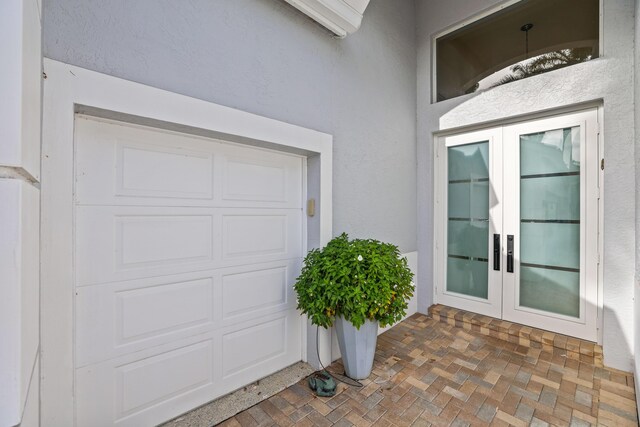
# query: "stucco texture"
[608,80]
[637,193]
[265,57]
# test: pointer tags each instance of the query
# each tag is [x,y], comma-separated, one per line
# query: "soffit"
[341,17]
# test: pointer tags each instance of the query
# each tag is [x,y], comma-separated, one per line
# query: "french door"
[516,223]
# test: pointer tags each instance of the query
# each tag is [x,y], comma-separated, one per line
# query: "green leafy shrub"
[358,279]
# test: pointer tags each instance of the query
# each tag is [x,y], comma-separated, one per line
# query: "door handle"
[509,253]
[496,252]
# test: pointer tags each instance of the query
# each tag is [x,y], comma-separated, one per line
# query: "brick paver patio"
[432,373]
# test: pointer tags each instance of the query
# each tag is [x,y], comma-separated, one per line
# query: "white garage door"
[186,250]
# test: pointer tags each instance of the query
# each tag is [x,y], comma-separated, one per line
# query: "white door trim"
[69,90]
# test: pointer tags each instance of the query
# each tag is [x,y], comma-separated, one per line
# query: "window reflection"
[496,50]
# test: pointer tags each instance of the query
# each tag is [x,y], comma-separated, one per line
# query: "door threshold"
[215,412]
[557,345]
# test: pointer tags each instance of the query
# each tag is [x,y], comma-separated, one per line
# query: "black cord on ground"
[342,378]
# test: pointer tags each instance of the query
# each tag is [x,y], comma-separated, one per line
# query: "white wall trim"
[69,89]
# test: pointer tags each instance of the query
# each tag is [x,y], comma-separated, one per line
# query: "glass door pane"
[468,219]
[550,221]
[516,222]
[551,216]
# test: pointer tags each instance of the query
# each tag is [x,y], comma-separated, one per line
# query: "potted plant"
[357,284]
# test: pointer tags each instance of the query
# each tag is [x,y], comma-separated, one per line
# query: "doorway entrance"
[517,223]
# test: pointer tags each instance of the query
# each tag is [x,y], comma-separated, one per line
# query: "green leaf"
[359,279]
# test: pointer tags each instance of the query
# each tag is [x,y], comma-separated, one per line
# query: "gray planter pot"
[357,347]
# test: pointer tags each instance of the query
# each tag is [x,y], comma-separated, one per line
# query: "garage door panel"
[142,313]
[185,251]
[145,241]
[251,350]
[115,243]
[260,235]
[114,319]
[254,235]
[247,347]
[254,178]
[132,165]
[121,318]
[143,170]
[149,387]
[122,164]
[239,295]
[258,290]
[153,385]
[125,243]
[155,379]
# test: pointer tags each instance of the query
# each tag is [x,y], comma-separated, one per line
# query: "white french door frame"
[585,326]
[492,306]
[503,292]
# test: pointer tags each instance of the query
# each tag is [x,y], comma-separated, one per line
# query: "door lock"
[509,253]
[496,252]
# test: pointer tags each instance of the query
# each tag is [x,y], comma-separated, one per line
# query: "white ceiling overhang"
[342,17]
